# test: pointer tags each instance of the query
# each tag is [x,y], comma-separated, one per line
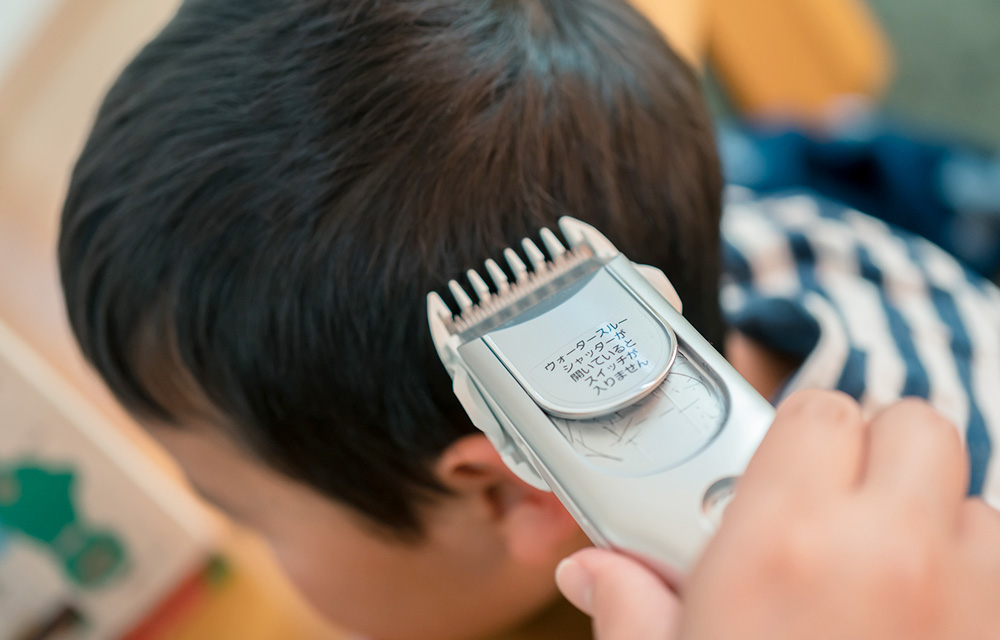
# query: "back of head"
[272,187]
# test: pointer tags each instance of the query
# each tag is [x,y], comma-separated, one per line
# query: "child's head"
[269,192]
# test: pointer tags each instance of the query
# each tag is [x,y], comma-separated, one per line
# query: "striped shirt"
[870,310]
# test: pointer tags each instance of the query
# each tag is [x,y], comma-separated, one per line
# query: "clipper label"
[598,361]
[610,360]
[589,354]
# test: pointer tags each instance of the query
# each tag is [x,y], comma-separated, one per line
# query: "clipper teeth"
[534,254]
[543,271]
[498,276]
[552,244]
[478,285]
[516,265]
[461,297]
[438,308]
[572,232]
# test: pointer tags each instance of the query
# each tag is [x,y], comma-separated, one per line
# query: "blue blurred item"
[947,193]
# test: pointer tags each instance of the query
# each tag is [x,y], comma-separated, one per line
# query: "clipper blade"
[545,268]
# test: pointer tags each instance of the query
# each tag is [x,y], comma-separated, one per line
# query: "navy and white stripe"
[871,310]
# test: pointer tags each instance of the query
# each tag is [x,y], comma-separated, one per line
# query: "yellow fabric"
[794,57]
[791,58]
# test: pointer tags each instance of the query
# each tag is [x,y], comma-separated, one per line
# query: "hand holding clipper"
[590,383]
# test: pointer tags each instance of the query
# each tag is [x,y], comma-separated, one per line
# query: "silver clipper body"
[590,383]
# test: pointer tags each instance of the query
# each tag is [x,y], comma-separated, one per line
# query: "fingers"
[626,600]
[980,530]
[916,457]
[815,447]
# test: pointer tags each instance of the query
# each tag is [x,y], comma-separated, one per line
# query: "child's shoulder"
[870,309]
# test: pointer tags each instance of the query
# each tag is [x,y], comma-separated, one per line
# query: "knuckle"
[797,556]
[983,520]
[942,435]
[828,406]
[988,512]
[912,568]
[915,412]
[922,423]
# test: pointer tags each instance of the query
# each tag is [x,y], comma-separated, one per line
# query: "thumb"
[626,600]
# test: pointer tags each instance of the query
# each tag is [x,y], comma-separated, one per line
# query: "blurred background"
[947,75]
[801,87]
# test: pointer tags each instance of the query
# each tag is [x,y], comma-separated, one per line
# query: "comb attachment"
[544,269]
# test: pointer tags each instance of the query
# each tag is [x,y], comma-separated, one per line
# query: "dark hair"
[271,188]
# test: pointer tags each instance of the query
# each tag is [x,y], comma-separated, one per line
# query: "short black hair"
[272,187]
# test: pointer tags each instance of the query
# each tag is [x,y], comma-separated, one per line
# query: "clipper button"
[716,499]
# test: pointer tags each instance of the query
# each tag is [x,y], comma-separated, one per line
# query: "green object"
[218,571]
[37,502]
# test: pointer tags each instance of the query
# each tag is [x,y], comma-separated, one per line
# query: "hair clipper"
[590,383]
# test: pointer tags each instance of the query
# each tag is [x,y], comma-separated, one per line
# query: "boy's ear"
[533,524]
